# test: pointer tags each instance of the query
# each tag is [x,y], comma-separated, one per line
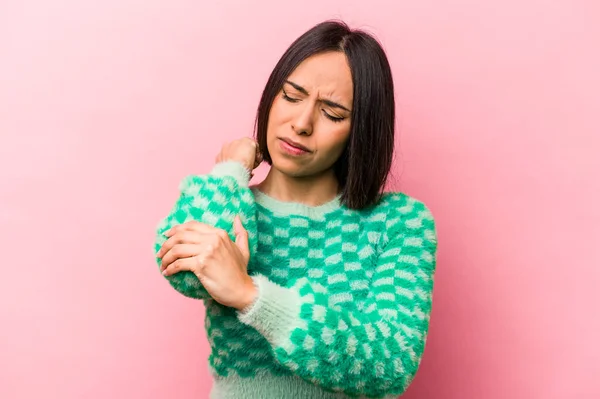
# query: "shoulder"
[395,211]
[401,215]
[398,206]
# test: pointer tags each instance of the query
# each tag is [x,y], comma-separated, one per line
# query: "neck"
[312,190]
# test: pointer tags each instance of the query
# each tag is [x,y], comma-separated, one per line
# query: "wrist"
[234,169]
[239,161]
[250,294]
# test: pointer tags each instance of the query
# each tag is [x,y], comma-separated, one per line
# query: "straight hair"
[363,167]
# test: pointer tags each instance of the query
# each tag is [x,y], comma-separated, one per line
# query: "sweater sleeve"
[214,199]
[375,352]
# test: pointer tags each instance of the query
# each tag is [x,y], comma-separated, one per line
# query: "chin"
[289,168]
[292,169]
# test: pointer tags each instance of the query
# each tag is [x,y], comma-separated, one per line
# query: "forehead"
[326,74]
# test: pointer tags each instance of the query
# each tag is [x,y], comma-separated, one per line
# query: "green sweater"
[344,296]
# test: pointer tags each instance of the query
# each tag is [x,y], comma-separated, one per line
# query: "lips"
[295,144]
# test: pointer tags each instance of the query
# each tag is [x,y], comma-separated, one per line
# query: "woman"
[316,284]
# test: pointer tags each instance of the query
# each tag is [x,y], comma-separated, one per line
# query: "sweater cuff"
[233,169]
[275,313]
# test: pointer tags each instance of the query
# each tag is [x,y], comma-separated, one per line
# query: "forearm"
[340,350]
[214,199]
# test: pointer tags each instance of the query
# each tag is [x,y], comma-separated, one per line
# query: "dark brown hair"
[364,165]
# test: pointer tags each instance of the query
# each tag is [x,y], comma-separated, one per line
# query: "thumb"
[241,237]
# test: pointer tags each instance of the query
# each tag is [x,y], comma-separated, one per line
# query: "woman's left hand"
[220,264]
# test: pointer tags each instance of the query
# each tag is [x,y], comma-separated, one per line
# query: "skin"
[325,79]
[313,110]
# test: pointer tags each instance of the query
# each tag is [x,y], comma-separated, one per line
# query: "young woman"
[316,283]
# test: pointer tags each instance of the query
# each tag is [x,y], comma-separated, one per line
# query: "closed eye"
[288,98]
[333,118]
[295,100]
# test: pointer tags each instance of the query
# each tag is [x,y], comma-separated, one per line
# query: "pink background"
[105,106]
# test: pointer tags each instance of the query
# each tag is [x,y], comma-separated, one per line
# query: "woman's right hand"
[244,150]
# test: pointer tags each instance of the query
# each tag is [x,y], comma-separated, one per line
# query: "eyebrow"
[324,101]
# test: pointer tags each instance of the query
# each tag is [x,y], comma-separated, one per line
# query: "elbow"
[388,378]
[390,385]
[187,284]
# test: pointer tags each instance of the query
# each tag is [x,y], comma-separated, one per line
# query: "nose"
[303,122]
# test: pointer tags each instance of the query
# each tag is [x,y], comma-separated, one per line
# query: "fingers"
[250,140]
[191,226]
[188,240]
[259,156]
[193,264]
[244,150]
[258,159]
[241,238]
[182,237]
[179,251]
[237,226]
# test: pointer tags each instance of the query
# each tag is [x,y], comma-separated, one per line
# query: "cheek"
[276,119]
[276,114]
[335,140]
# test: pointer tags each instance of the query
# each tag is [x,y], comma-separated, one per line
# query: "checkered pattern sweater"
[344,296]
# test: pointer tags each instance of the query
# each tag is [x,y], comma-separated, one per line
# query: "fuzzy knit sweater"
[344,296]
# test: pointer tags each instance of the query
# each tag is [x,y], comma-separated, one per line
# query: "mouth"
[294,144]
